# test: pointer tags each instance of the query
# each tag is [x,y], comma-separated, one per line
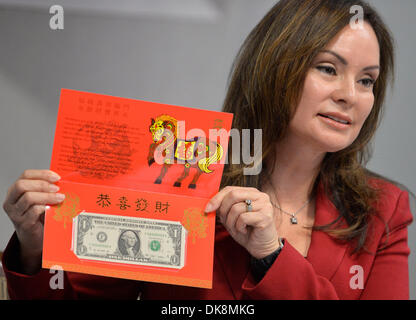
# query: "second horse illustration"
[197,153]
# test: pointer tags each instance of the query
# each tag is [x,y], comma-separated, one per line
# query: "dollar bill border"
[179,249]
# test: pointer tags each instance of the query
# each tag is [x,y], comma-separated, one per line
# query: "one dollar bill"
[129,240]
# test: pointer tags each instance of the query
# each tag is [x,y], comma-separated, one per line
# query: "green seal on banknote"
[155,245]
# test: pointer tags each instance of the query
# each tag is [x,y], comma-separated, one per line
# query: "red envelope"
[137,176]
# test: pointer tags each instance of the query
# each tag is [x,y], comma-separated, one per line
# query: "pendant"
[293,220]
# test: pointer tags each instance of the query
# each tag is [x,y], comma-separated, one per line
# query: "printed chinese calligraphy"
[142,204]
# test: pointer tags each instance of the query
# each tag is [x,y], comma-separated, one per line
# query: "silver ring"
[248,205]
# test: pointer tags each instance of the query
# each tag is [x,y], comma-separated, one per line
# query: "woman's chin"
[335,147]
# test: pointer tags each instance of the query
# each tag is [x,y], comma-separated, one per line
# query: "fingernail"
[60,196]
[53,188]
[54,177]
[209,207]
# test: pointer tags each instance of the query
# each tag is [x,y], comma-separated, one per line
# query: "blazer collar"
[325,252]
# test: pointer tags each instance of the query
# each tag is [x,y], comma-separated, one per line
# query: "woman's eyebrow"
[344,62]
[370,68]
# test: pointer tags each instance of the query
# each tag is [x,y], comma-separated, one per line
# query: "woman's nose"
[346,92]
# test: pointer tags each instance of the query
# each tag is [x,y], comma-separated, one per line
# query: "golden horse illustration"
[196,153]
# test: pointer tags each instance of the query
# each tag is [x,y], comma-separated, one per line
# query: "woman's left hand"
[255,230]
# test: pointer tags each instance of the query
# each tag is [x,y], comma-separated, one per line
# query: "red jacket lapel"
[325,252]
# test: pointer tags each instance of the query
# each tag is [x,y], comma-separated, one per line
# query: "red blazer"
[328,272]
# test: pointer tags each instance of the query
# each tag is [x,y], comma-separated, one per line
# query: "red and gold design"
[196,222]
[106,150]
[195,153]
[68,209]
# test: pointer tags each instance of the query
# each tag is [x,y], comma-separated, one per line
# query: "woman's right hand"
[25,205]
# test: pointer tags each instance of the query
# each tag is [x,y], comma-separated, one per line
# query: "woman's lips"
[334,123]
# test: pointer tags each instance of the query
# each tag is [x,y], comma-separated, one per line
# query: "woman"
[315,224]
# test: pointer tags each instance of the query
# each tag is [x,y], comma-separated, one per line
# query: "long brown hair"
[265,86]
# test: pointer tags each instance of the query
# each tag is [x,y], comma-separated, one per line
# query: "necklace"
[293,219]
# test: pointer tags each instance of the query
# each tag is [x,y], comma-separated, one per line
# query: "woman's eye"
[367,82]
[326,69]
